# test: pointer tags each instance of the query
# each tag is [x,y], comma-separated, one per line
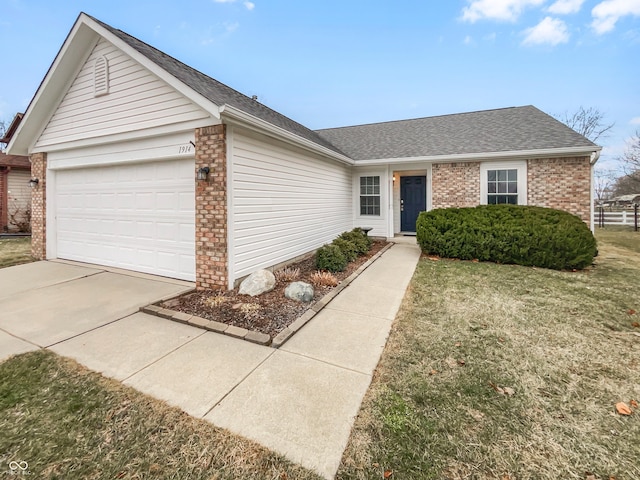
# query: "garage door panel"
[139,217]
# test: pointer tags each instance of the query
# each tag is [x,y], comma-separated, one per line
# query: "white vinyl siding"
[19,197]
[285,202]
[136,100]
[135,216]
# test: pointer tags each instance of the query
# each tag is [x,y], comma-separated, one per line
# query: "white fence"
[625,217]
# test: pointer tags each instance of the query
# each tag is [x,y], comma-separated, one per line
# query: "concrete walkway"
[300,400]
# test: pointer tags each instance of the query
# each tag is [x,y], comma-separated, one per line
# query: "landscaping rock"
[258,282]
[300,291]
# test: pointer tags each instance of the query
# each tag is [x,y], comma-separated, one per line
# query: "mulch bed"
[273,312]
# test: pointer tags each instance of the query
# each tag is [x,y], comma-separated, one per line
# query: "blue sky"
[331,63]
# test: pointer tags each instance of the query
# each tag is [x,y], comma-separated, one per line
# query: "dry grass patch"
[67,422]
[563,342]
[14,251]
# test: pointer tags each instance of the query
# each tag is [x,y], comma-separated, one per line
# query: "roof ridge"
[427,117]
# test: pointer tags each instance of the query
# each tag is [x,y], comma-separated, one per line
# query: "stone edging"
[259,337]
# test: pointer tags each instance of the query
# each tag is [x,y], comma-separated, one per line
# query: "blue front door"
[413,200]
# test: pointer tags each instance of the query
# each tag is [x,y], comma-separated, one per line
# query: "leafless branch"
[589,122]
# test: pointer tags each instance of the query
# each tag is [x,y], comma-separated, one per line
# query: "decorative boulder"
[260,281]
[300,291]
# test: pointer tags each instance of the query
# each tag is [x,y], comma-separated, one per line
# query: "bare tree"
[3,129]
[604,182]
[589,122]
[630,161]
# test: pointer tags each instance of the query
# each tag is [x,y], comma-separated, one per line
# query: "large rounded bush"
[523,235]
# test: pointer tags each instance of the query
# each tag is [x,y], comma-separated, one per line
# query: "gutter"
[594,153]
[252,122]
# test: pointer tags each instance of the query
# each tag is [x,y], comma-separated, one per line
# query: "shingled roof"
[215,91]
[503,130]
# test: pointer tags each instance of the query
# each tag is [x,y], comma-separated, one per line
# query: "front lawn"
[58,420]
[507,372]
[14,251]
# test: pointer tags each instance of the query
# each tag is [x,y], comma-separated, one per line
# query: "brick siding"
[561,183]
[455,185]
[211,209]
[4,187]
[39,206]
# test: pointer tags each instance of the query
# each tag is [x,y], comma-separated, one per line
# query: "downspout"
[594,158]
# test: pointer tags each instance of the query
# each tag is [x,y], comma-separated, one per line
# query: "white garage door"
[138,217]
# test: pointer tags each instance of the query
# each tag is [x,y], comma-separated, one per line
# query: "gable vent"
[101,76]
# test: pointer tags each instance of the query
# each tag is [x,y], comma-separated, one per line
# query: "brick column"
[4,174]
[211,209]
[39,206]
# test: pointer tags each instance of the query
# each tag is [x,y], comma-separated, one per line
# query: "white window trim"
[379,195]
[519,165]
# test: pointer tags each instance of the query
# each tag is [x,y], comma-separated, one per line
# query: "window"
[370,195]
[503,182]
[502,186]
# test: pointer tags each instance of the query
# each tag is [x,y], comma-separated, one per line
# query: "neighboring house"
[15,194]
[624,200]
[118,133]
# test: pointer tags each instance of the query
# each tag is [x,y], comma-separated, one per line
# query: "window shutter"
[101,76]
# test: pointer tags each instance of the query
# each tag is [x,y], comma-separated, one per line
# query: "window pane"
[501,199]
[502,187]
[512,187]
[492,187]
[491,175]
[512,175]
[502,175]
[370,195]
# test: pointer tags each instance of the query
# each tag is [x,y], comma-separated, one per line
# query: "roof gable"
[218,92]
[490,131]
[113,94]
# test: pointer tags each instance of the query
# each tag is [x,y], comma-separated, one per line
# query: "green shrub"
[523,235]
[331,258]
[361,241]
[348,249]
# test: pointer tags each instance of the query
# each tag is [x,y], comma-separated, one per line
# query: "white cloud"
[565,7]
[635,121]
[505,10]
[550,31]
[248,4]
[607,13]
[468,40]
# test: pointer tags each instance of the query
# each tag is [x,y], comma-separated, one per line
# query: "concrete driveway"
[45,303]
